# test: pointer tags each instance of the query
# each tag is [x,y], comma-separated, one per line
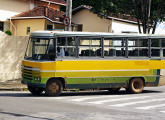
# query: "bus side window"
[65,47]
[89,47]
[143,48]
[114,47]
[156,48]
[60,51]
[133,45]
[163,47]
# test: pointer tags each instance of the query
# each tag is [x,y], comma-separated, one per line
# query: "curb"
[13,89]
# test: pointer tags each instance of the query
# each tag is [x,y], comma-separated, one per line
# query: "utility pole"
[149,14]
[69,14]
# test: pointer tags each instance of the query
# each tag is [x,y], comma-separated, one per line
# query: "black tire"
[54,88]
[128,90]
[136,85]
[114,90]
[35,90]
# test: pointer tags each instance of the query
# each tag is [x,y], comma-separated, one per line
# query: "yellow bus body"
[97,73]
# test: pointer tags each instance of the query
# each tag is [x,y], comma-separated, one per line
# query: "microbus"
[60,60]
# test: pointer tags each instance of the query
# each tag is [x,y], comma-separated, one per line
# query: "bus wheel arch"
[54,86]
[136,85]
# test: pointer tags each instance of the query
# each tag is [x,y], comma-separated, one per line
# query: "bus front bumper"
[33,84]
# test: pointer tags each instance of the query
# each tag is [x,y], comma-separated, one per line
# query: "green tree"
[147,12]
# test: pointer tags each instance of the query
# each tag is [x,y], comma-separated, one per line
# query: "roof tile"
[57,1]
[46,11]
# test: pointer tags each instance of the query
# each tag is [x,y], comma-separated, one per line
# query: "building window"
[80,28]
[1,26]
[49,27]
[28,30]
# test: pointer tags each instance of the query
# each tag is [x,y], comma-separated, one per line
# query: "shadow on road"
[64,94]
[87,93]
[22,115]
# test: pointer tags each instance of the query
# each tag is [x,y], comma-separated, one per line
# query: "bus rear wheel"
[35,90]
[53,87]
[136,85]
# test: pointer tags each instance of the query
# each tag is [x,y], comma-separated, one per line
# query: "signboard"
[66,21]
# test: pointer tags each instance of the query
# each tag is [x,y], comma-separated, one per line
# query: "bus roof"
[97,34]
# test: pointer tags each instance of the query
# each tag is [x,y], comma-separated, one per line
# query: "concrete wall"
[12,50]
[6,26]
[91,22]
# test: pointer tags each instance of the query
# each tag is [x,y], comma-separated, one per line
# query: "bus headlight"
[37,79]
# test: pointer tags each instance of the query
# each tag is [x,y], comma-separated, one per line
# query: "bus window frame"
[160,47]
[100,46]
[123,46]
[149,48]
[42,37]
[56,46]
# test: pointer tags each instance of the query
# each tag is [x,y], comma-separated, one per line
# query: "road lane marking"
[150,107]
[119,99]
[87,98]
[132,103]
[162,111]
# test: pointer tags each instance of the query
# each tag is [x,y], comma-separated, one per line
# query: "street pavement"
[88,105]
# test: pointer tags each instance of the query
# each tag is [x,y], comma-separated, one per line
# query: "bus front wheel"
[53,87]
[136,85]
[35,90]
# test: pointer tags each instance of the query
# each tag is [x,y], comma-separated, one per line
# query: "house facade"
[40,18]
[32,15]
[91,22]
[82,16]
[9,9]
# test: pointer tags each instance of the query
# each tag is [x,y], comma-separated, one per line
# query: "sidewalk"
[13,85]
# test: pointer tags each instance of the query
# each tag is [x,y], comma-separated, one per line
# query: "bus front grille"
[28,73]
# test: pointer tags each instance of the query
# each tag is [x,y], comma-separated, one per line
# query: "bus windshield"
[40,49]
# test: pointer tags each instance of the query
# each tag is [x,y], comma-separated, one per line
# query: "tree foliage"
[147,12]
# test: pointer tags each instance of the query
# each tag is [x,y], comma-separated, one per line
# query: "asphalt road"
[97,105]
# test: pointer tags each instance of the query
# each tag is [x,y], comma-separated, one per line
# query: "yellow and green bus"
[59,60]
